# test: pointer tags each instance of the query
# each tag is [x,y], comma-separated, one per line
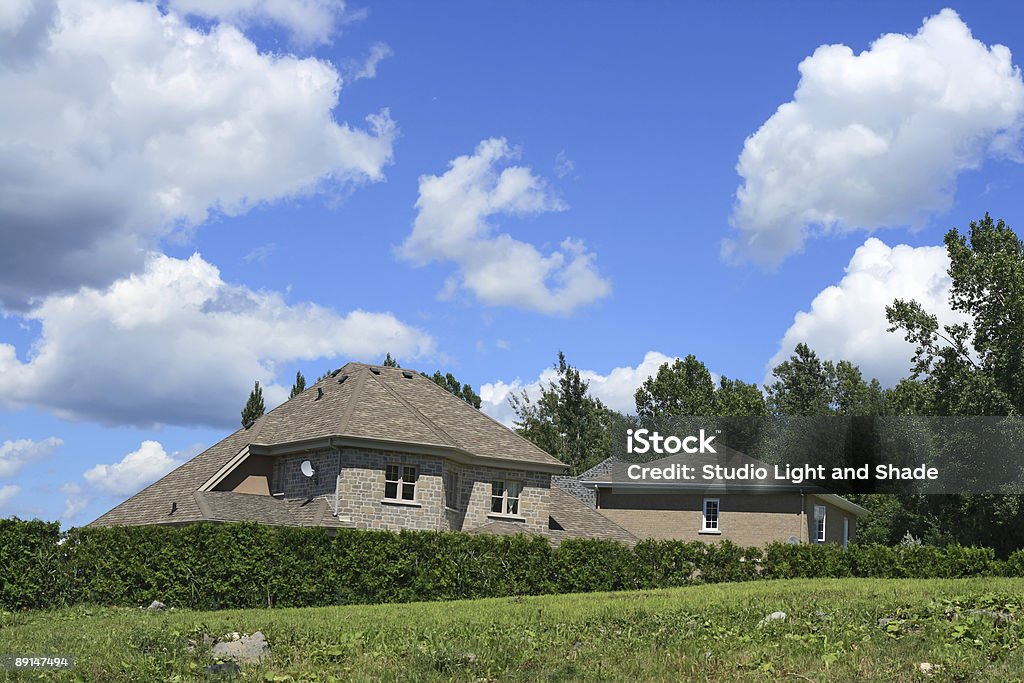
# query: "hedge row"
[207,566]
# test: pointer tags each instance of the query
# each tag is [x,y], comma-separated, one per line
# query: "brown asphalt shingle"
[387,404]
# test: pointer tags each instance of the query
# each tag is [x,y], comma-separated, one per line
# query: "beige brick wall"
[833,521]
[745,519]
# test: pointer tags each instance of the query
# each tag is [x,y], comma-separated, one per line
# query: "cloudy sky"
[195,195]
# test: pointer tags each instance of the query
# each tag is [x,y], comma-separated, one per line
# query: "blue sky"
[193,200]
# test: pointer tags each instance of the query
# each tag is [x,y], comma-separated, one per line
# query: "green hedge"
[238,565]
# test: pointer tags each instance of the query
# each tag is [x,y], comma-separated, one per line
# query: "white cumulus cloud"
[8,492]
[453,224]
[123,125]
[367,68]
[875,139]
[615,388]
[847,321]
[308,21]
[176,344]
[16,454]
[134,471]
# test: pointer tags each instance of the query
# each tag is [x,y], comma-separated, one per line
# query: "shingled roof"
[359,402]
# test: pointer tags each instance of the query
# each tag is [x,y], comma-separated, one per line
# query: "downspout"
[337,481]
[803,516]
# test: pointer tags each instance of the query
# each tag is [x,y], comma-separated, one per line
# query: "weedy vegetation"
[834,630]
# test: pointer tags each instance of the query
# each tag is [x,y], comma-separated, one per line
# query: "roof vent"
[407,374]
[174,507]
[375,371]
[335,373]
[319,393]
[341,380]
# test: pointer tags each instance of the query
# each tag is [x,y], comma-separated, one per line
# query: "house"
[744,512]
[372,447]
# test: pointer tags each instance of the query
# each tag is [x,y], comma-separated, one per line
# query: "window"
[819,523]
[400,482]
[710,515]
[505,497]
[451,490]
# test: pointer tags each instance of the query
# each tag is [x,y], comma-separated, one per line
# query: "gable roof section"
[152,505]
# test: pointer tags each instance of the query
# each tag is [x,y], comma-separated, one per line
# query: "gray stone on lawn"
[884,621]
[774,616]
[229,668]
[822,616]
[246,650]
[156,605]
[1001,617]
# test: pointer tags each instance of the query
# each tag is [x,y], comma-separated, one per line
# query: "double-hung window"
[819,523]
[400,482]
[709,515]
[505,497]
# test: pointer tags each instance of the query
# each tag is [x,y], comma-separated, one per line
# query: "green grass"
[710,632]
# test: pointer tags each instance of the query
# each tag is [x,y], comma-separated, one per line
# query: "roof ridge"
[353,399]
[481,412]
[200,498]
[445,436]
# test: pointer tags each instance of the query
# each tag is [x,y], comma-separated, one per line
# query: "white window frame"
[819,523]
[711,526]
[508,504]
[405,483]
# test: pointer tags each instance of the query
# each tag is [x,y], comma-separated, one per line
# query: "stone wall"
[287,478]
[464,503]
[534,501]
[361,491]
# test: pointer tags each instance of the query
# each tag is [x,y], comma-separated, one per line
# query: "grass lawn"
[967,630]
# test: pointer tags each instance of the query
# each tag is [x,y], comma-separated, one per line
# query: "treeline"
[967,369]
[244,565]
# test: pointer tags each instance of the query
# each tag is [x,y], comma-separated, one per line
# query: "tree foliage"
[299,386]
[686,388]
[449,383]
[254,407]
[977,367]
[807,386]
[565,420]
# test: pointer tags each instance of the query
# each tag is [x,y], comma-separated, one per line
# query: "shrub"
[239,565]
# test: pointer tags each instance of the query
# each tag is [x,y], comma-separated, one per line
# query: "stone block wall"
[361,491]
[464,503]
[287,477]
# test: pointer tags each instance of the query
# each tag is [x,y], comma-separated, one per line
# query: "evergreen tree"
[804,385]
[254,407]
[390,362]
[565,420]
[299,386]
[449,383]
